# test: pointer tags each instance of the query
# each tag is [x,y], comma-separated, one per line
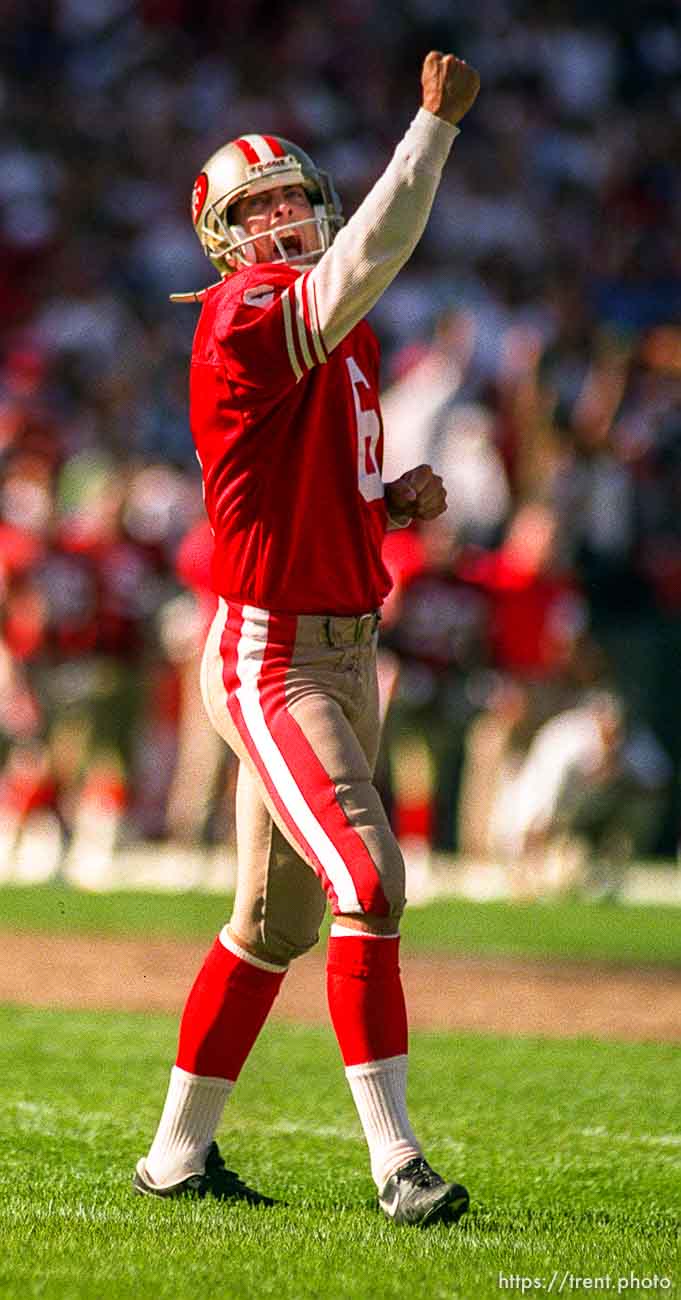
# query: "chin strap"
[198,295]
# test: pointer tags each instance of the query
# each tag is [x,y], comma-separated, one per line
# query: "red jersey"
[535,614]
[290,442]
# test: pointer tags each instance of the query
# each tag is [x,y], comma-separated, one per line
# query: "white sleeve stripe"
[302,327]
[288,330]
[314,319]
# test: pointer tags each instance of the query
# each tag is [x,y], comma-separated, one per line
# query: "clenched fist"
[449,86]
[417,494]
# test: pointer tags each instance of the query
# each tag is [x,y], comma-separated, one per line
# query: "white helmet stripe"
[262,146]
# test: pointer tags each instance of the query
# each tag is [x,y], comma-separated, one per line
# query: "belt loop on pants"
[341,629]
[366,625]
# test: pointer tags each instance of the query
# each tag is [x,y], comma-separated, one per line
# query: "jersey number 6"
[368,433]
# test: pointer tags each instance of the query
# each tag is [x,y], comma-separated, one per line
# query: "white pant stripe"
[250,654]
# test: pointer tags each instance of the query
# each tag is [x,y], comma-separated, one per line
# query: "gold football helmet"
[249,165]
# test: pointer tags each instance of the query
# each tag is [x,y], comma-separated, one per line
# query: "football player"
[285,416]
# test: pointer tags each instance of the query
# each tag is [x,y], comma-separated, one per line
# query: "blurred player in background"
[285,417]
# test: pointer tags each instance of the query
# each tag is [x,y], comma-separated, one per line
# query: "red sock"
[413,819]
[224,1013]
[366,1001]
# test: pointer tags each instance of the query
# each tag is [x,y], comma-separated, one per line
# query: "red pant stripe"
[228,649]
[312,778]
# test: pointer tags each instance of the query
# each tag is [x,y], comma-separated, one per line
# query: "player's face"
[261,213]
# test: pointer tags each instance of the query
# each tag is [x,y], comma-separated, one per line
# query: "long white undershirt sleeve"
[368,252]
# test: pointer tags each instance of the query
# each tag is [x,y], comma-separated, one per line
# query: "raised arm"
[376,242]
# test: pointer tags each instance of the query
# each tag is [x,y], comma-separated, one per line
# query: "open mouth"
[292,244]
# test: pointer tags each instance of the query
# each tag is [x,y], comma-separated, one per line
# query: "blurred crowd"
[532,353]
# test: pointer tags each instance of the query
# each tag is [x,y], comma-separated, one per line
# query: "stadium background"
[531,351]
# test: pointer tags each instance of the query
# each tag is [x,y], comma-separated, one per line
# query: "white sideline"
[170,867]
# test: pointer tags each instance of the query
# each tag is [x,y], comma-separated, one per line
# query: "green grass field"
[568,929]
[570,1150]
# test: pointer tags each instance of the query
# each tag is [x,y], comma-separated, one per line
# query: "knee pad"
[285,948]
[275,946]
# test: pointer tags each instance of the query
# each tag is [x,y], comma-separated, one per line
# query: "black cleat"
[215,1181]
[417,1195]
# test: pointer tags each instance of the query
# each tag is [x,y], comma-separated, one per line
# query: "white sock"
[192,1112]
[379,1090]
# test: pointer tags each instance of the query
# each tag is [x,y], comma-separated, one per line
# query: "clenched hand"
[417,494]
[449,86]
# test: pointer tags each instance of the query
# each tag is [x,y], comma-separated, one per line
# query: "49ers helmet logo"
[199,193]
